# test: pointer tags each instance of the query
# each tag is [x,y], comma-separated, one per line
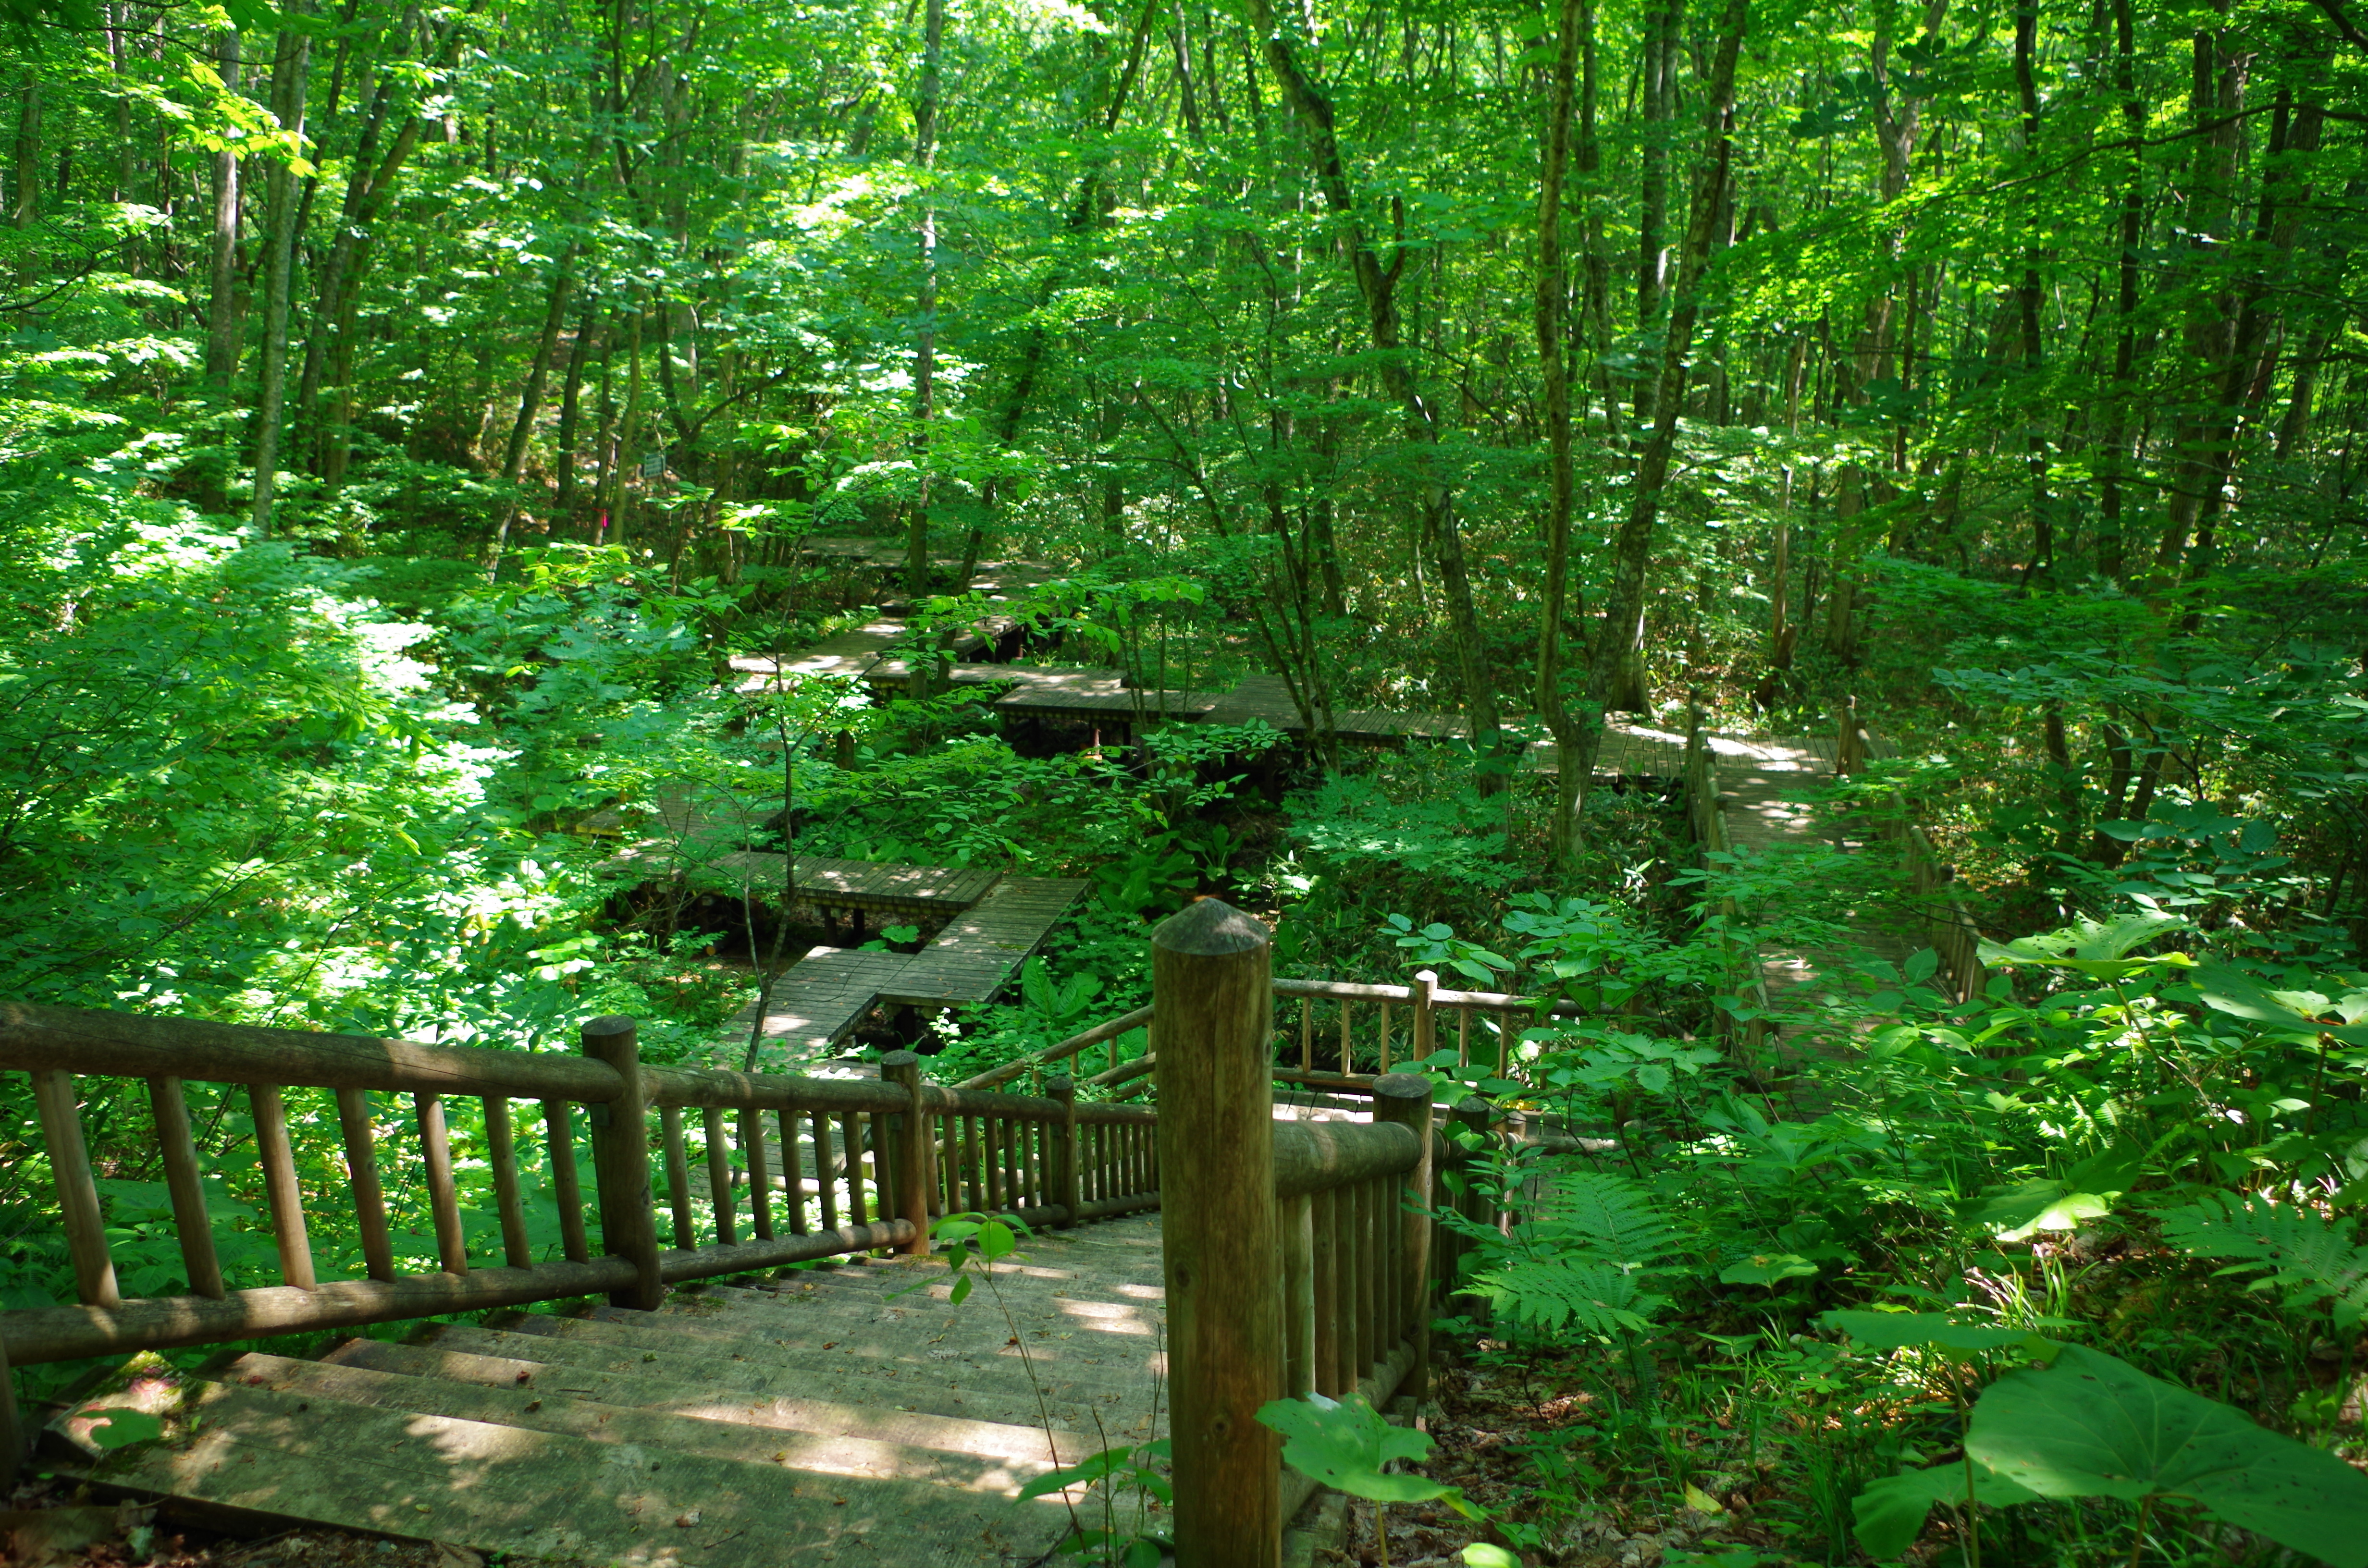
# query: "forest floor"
[51,1522]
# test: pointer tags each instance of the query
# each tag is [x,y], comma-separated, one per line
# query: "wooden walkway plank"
[980,951]
[818,1002]
[896,889]
[822,1419]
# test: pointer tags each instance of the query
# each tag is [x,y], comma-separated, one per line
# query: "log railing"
[789,1169]
[1298,1262]
[1298,1257]
[1948,922]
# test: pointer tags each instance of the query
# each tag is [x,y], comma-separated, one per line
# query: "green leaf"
[1486,1554]
[1767,1269]
[114,1429]
[1895,1331]
[1347,1445]
[1889,1514]
[2093,1425]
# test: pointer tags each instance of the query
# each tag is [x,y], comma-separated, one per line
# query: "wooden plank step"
[539,1495]
[818,1001]
[823,1438]
[980,951]
[868,1349]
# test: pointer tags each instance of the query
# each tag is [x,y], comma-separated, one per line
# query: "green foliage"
[2311,1259]
[2092,1426]
[1574,1265]
[1349,1446]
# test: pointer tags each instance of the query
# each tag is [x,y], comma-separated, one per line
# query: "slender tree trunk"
[27,211]
[924,352]
[1377,284]
[571,410]
[221,303]
[2111,546]
[289,72]
[554,316]
[1554,360]
[1619,653]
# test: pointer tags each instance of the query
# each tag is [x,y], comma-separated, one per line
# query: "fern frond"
[2311,1259]
[1603,1219]
[1558,1296]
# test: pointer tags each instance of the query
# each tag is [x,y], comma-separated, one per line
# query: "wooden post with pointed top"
[1212,1004]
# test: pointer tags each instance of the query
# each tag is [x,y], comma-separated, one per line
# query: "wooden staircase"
[832,1414]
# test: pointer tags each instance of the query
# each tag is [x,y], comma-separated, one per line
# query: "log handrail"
[1125,1023]
[869,1185]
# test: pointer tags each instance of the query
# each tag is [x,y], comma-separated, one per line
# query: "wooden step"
[804,1433]
[538,1495]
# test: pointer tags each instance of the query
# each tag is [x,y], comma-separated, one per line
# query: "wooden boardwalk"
[929,891]
[815,1005]
[818,1003]
[821,1416]
[1761,784]
[980,951]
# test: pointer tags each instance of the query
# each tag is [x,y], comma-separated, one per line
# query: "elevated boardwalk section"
[819,1001]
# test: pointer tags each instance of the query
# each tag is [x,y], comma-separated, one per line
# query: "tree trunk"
[221,302]
[288,71]
[1551,310]
[1377,285]
[571,411]
[1619,653]
[555,315]
[925,351]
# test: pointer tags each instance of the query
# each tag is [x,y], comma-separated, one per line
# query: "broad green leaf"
[1767,1269]
[1348,1445]
[1486,1554]
[1895,1331]
[2093,1425]
[1889,1514]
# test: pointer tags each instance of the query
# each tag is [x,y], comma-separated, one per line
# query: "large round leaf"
[2092,1426]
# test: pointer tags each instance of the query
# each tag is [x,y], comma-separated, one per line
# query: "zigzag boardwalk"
[837,1415]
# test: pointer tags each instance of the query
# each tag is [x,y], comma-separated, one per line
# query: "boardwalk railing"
[1298,1257]
[879,1158]
[1947,921]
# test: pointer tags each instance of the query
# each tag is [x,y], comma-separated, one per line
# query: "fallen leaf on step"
[685,1521]
[451,1556]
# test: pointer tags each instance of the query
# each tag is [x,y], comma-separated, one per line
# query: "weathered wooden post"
[1426,1030]
[621,1163]
[1062,1135]
[1213,1006]
[12,1428]
[1404,1098]
[913,1149]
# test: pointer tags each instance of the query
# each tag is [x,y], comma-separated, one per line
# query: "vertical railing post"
[1062,1134]
[621,1163]
[912,1151]
[85,1224]
[1213,1005]
[1425,1030]
[12,1427]
[1404,1098]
